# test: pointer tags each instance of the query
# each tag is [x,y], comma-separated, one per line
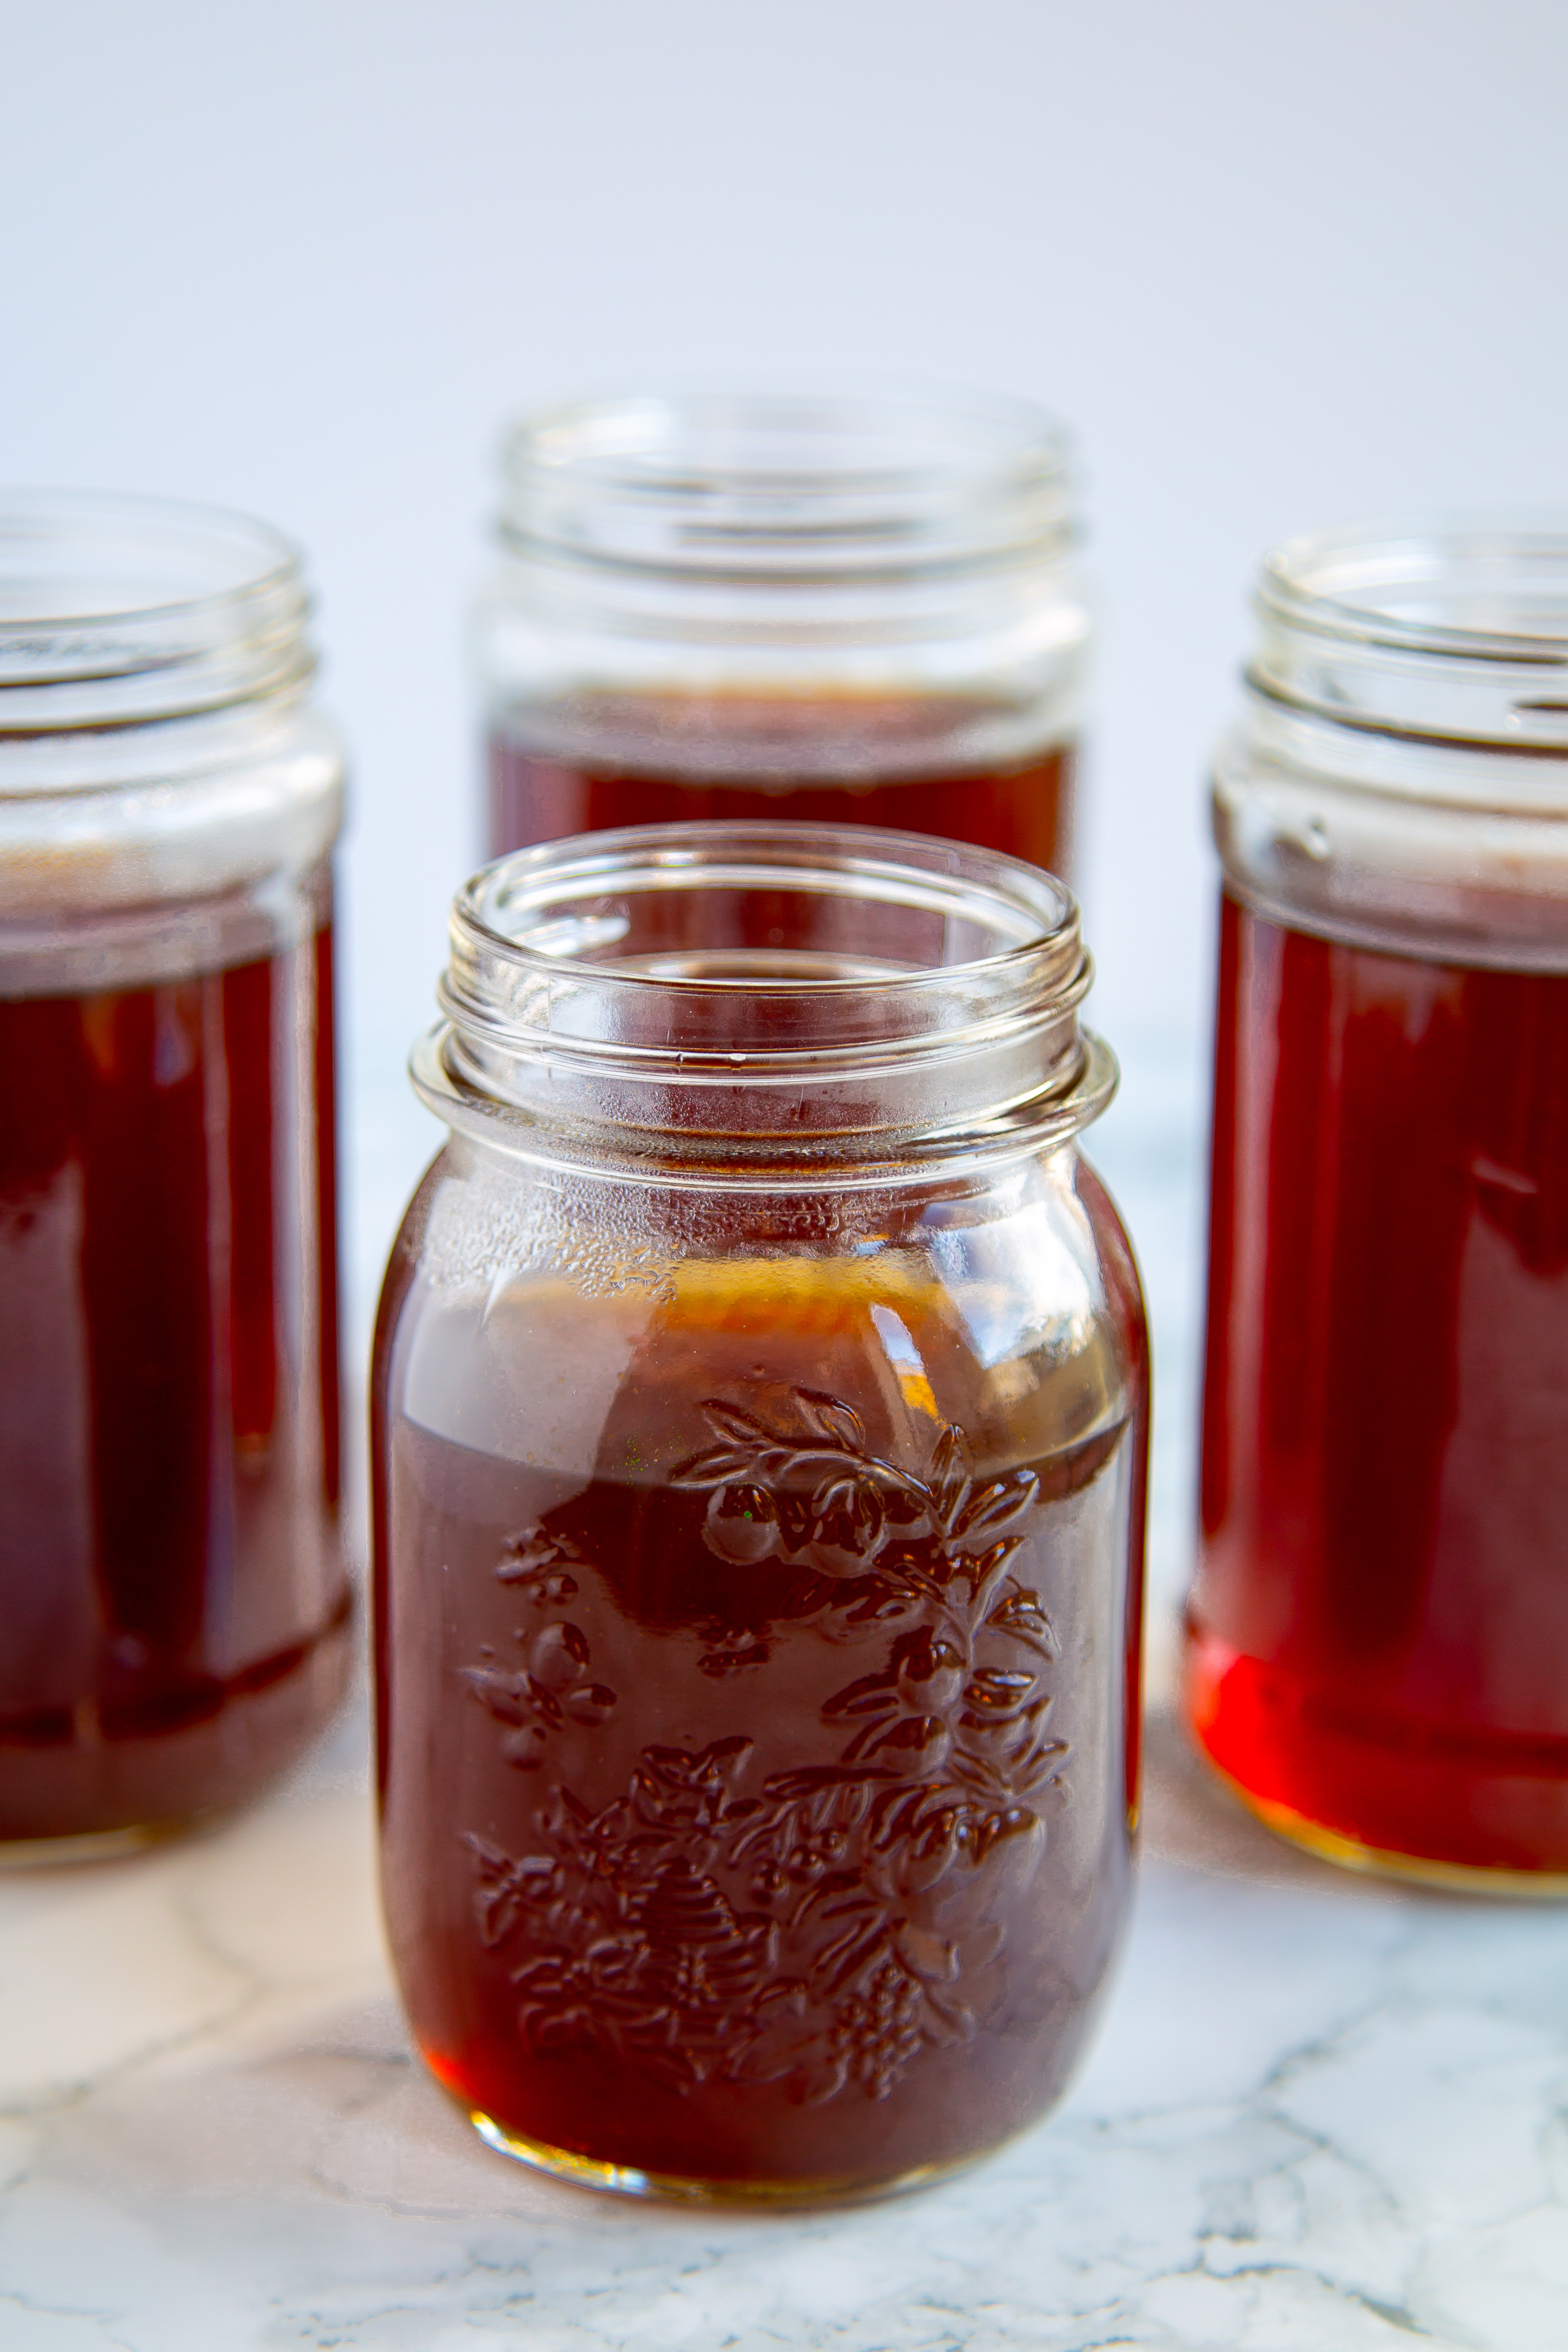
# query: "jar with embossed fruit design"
[760,1418]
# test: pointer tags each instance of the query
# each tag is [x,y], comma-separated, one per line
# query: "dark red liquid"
[173,1602]
[755,1804]
[845,760]
[1379,1640]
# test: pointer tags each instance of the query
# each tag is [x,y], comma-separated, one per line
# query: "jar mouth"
[780,489]
[768,991]
[117,611]
[1447,629]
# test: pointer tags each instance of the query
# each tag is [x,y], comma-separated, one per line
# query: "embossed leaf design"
[862,1939]
[845,1494]
[947,2024]
[950,1476]
[826,1417]
[999,1508]
[922,1737]
[511,1698]
[541,1562]
[804,1926]
[713,1468]
[557,1655]
[1021,1615]
[995,1697]
[728,1421]
[937,1845]
[527,1553]
[504,1886]
[1011,1845]
[533,1705]
[931,1958]
[872,1695]
[589,1703]
[1036,1765]
[826,1459]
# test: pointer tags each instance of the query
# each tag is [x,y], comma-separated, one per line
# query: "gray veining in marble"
[1322,2115]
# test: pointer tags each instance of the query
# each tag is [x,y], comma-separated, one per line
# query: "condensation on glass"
[174,1608]
[1378,1632]
[829,611]
[760,1412]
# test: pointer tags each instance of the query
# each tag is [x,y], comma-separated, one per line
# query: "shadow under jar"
[174,1608]
[760,1418]
[808,610]
[1378,1634]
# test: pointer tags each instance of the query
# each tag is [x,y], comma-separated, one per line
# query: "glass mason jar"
[174,1608]
[760,1414]
[836,610]
[1378,1651]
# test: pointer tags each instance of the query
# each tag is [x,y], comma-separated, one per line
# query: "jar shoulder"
[157,814]
[1451,851]
[526,1319]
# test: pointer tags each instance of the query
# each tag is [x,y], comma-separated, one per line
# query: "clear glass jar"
[1379,1632]
[760,1413]
[174,1607]
[832,611]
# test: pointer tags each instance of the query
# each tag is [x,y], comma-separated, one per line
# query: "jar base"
[90,1799]
[1460,1810]
[1381,1862]
[675,2189]
[94,1845]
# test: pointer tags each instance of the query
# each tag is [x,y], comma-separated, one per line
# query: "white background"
[1279,264]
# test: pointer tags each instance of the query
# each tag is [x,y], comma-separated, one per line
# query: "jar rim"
[804,489]
[118,609]
[1044,907]
[783,991]
[1460,587]
[1439,633]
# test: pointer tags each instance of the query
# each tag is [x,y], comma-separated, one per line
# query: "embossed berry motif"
[820,1926]
[553,1686]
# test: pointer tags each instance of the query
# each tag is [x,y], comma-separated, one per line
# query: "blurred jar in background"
[824,611]
[761,1421]
[1378,1636]
[173,1609]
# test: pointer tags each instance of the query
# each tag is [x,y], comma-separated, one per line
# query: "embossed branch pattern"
[820,1926]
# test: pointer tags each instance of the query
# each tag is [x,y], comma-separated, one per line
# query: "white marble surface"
[1321,2116]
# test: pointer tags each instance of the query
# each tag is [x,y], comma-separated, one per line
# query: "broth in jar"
[758,1569]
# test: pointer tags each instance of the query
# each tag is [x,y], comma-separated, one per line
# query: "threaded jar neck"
[1400,776]
[1452,633]
[118,612]
[777,492]
[761,588]
[763,996]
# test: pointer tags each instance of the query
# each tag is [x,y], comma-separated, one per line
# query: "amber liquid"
[1379,1628]
[755,1805]
[172,1603]
[842,759]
